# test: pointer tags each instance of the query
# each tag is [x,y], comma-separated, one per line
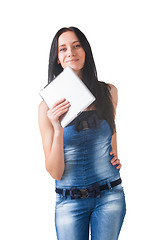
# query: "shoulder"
[42,106]
[114,93]
[42,113]
[113,89]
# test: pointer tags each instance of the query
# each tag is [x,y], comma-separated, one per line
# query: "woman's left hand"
[115,160]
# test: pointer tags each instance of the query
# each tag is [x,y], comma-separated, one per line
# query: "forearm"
[55,161]
[114,143]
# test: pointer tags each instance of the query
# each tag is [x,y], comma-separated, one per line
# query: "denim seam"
[84,159]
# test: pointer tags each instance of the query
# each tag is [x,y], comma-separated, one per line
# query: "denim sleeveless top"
[86,152]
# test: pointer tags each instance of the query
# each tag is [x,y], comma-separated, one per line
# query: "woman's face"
[70,52]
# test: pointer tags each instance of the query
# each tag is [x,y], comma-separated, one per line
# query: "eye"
[77,46]
[62,49]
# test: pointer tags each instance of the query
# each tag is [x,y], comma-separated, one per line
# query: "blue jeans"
[103,215]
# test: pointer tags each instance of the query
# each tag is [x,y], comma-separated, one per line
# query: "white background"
[125,37]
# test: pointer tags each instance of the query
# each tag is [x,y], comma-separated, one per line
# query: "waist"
[85,169]
[83,182]
[87,158]
[92,191]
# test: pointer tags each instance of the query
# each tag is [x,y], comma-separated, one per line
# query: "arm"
[114,143]
[115,160]
[52,137]
[114,94]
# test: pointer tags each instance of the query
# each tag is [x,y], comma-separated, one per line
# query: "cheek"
[83,56]
[61,60]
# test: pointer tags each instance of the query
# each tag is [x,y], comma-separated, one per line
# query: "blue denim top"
[86,153]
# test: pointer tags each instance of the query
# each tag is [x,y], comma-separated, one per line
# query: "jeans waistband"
[92,191]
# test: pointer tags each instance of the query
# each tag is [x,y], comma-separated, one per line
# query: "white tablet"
[69,86]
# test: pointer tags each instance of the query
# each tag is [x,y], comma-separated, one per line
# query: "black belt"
[92,191]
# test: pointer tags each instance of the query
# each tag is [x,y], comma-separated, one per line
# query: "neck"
[79,73]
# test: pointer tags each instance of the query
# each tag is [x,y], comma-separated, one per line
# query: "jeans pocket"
[59,199]
[118,188]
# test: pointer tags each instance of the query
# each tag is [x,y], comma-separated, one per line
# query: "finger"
[59,109]
[116,162]
[61,105]
[114,159]
[58,102]
[60,113]
[119,166]
[55,108]
[112,152]
[64,103]
[56,116]
[55,105]
[57,113]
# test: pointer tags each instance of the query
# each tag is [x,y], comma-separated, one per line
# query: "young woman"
[82,157]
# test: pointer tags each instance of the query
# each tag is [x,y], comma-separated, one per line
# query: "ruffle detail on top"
[87,119]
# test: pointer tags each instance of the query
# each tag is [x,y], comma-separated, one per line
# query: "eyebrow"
[65,44]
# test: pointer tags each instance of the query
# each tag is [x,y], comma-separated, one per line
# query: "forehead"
[67,38]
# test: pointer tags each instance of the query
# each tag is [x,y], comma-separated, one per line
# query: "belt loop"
[64,194]
[109,186]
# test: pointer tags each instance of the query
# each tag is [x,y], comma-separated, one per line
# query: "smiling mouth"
[72,61]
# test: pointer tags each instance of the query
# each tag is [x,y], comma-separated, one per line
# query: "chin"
[75,68]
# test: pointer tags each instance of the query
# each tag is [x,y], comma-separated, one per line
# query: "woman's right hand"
[55,113]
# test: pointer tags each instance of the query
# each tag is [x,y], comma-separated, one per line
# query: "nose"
[70,52]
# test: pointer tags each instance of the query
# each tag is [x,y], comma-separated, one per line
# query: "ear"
[58,61]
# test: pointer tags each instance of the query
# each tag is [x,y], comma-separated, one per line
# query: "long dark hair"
[100,90]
